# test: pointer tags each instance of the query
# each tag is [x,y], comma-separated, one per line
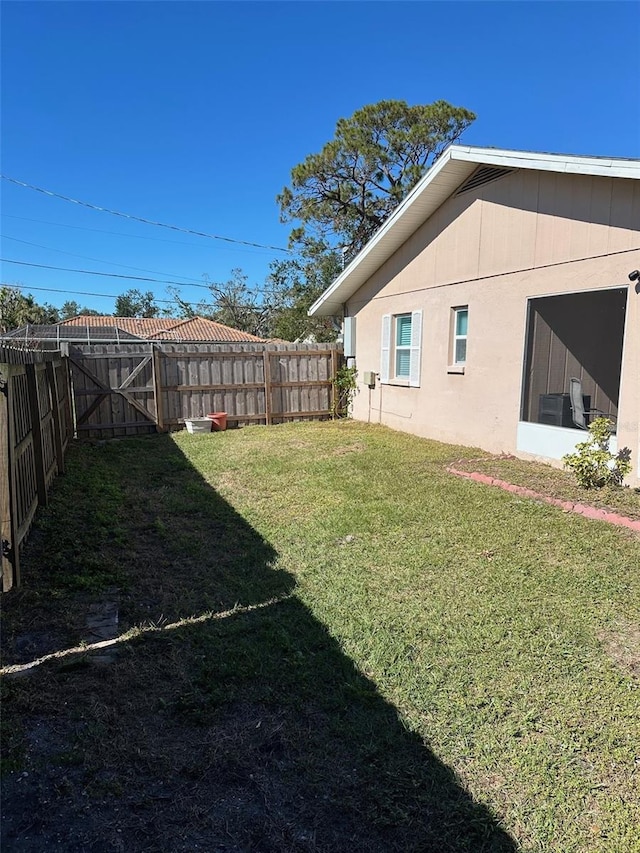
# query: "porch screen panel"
[575,335]
[536,377]
[556,371]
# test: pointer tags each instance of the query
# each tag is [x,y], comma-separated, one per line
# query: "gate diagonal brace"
[145,361]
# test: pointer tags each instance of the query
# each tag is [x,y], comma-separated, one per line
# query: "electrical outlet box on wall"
[369,378]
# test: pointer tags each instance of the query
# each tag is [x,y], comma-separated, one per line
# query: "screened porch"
[572,339]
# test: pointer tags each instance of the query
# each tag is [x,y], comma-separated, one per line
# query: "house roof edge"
[455,164]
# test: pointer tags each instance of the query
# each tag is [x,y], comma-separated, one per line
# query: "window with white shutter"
[385,349]
[401,348]
[416,349]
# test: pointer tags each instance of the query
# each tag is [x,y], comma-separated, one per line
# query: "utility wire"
[140,218]
[105,295]
[98,260]
[121,233]
[104,274]
[87,293]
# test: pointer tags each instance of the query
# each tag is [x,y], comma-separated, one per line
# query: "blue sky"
[194,113]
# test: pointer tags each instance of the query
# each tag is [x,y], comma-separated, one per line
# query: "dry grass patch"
[622,644]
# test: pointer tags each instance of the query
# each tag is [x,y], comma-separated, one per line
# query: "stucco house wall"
[524,235]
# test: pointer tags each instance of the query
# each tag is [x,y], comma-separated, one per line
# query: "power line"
[104,274]
[98,260]
[110,295]
[116,233]
[101,295]
[87,293]
[140,218]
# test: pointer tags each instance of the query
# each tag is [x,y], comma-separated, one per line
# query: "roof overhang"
[443,178]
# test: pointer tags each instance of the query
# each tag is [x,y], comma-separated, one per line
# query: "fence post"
[157,387]
[9,556]
[267,386]
[334,388]
[69,409]
[36,430]
[55,407]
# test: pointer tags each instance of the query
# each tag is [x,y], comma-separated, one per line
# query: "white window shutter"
[385,349]
[416,348]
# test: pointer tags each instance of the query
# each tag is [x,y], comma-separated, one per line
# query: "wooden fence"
[132,389]
[36,424]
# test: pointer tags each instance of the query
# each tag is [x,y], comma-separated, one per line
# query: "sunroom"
[572,367]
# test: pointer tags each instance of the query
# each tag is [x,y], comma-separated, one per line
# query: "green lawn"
[438,665]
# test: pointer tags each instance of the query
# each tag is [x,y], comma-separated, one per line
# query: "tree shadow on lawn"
[250,731]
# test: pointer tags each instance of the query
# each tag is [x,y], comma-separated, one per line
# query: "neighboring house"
[500,278]
[86,329]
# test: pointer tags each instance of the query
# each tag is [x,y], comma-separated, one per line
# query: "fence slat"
[157,388]
[57,425]
[36,431]
[267,387]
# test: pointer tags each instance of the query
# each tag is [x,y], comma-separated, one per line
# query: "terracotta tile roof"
[201,329]
[168,328]
[134,325]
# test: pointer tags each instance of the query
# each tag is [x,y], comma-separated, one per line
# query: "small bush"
[345,385]
[593,464]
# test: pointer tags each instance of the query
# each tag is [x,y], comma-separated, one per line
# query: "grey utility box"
[349,337]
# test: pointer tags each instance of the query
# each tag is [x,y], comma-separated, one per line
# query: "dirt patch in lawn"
[622,644]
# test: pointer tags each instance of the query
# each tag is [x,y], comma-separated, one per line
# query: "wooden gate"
[114,390]
[35,428]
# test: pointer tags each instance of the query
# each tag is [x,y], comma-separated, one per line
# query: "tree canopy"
[343,194]
[299,281]
[134,303]
[278,307]
[18,309]
[71,308]
[233,303]
[339,198]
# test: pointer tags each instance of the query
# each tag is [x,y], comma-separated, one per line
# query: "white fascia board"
[569,163]
[438,183]
[382,245]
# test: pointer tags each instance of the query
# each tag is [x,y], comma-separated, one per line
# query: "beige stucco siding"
[526,235]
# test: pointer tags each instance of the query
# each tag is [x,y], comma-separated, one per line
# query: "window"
[460,324]
[401,348]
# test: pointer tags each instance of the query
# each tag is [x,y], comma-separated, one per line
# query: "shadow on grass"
[252,732]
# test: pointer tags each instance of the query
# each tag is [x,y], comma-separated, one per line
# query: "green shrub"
[593,464]
[345,385]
